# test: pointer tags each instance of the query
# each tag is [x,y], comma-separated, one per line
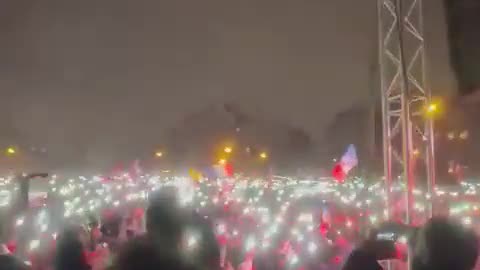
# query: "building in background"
[458,139]
[201,138]
[458,131]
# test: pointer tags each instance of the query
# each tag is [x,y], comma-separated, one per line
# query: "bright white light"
[305,217]
[402,239]
[467,221]
[386,236]
[312,247]
[20,222]
[221,228]
[294,259]
[34,244]
[191,242]
[250,243]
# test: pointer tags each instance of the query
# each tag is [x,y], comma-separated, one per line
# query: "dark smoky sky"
[110,73]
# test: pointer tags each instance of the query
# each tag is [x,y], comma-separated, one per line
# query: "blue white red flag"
[348,161]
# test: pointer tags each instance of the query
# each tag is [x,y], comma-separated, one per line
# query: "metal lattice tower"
[408,139]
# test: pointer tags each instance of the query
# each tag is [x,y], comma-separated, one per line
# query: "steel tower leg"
[408,139]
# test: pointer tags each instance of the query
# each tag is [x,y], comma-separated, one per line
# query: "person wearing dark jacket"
[441,244]
[70,252]
[142,254]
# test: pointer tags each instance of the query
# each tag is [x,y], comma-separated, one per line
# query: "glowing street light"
[263,155]
[432,108]
[227,150]
[222,161]
[11,151]
[159,154]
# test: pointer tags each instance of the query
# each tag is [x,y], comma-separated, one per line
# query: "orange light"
[159,154]
[222,161]
[263,155]
[227,149]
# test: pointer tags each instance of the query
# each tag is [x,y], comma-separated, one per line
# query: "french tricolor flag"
[348,161]
[219,171]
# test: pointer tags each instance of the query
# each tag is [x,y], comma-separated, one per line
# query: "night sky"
[105,73]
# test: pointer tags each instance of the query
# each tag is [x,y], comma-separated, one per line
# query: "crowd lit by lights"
[300,206]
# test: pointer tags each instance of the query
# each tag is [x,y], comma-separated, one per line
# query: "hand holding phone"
[390,240]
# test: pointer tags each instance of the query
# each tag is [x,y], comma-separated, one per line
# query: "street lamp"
[11,151]
[433,109]
[222,161]
[227,150]
[263,155]
[159,154]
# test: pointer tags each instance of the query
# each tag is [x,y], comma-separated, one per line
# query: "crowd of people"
[159,239]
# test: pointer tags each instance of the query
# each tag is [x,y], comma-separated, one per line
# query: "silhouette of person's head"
[444,245]
[164,222]
[207,254]
[140,253]
[70,251]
